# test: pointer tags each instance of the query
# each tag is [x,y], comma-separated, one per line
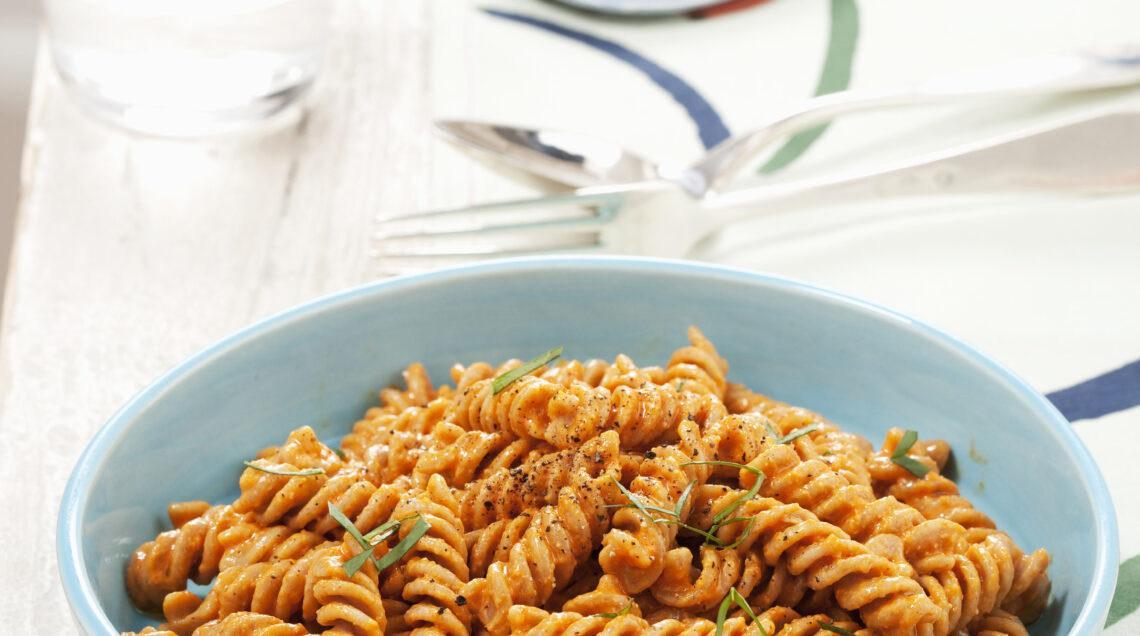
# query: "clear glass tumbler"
[187,67]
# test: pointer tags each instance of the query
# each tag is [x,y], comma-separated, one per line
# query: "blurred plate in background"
[641,7]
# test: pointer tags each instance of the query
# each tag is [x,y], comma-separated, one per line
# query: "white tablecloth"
[1049,286]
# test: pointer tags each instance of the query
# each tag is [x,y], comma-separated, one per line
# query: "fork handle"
[1091,155]
[1045,74]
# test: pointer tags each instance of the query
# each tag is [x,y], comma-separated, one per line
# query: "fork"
[1093,154]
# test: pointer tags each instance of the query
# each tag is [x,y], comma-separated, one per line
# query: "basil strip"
[352,530]
[501,382]
[752,492]
[899,456]
[832,628]
[619,614]
[308,472]
[799,432]
[395,554]
[743,603]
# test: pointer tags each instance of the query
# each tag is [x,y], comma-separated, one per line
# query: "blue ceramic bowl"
[865,368]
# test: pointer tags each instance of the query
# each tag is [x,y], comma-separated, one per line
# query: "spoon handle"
[1091,155]
[1043,74]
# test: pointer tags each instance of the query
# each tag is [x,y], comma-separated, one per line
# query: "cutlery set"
[624,203]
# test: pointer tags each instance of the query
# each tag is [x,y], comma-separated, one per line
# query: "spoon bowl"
[557,158]
[575,160]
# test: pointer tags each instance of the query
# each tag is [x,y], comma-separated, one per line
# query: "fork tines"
[497,229]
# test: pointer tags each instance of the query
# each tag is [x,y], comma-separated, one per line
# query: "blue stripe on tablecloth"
[710,126]
[1113,391]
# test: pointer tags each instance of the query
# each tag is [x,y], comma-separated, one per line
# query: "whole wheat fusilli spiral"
[596,497]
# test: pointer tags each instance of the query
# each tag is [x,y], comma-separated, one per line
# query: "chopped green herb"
[308,472]
[832,628]
[743,603]
[906,441]
[743,535]
[752,492]
[772,430]
[799,432]
[676,512]
[636,502]
[899,456]
[501,382]
[680,384]
[374,538]
[353,565]
[339,453]
[731,508]
[710,534]
[358,561]
[618,614]
[385,530]
[644,507]
[381,532]
[395,554]
[709,537]
[722,613]
[684,498]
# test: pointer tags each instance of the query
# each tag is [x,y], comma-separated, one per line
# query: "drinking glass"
[187,67]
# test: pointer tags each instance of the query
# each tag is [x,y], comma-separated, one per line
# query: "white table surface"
[132,253]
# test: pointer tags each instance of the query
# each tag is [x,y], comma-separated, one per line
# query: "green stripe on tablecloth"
[836,76]
[1127,596]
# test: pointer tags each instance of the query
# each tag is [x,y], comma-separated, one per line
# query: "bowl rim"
[91,618]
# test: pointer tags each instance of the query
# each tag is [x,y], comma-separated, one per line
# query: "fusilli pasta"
[590,498]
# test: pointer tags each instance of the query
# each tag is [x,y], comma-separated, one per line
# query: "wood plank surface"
[132,253]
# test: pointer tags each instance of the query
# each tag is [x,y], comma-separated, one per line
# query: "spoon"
[576,160]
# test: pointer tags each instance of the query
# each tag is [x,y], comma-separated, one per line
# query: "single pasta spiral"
[462,456]
[607,597]
[623,372]
[395,448]
[776,621]
[785,621]
[246,542]
[998,623]
[493,543]
[771,585]
[246,623]
[845,453]
[314,587]
[533,621]
[349,606]
[250,624]
[302,501]
[274,589]
[565,417]
[188,552]
[435,569]
[634,550]
[507,493]
[412,411]
[556,541]
[719,570]
[302,450]
[698,367]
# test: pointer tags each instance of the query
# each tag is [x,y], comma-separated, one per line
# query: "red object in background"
[724,7]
